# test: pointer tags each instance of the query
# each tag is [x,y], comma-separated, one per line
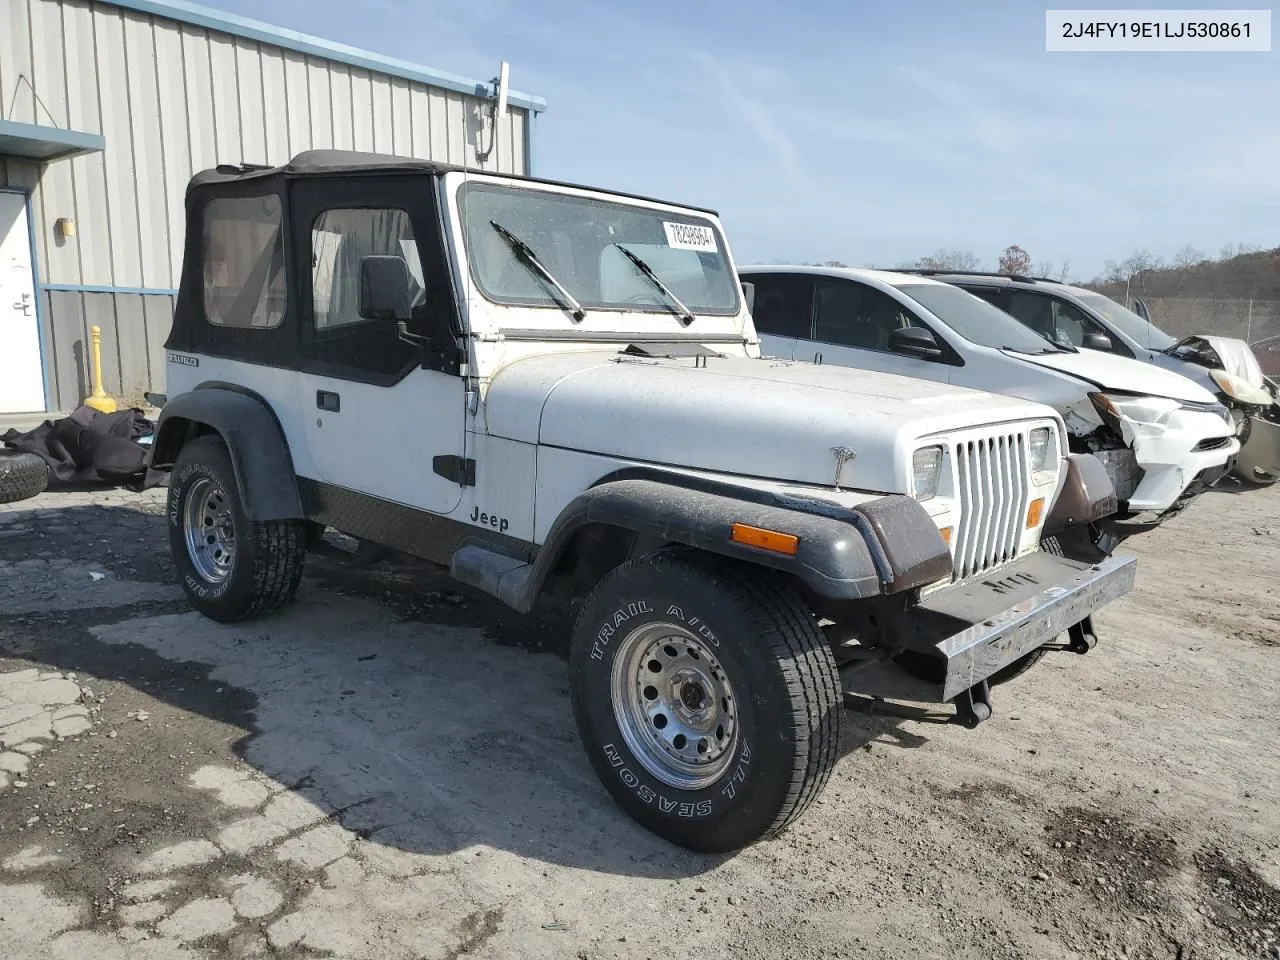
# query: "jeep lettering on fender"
[597,377]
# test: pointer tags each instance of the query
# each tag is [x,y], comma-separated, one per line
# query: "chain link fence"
[1248,320]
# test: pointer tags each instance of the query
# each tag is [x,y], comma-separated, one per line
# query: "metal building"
[106,109]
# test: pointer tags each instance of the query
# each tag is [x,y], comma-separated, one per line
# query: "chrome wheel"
[209,531]
[674,706]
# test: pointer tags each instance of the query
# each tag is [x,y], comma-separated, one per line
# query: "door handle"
[328,400]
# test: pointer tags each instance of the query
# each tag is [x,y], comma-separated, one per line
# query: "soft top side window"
[340,239]
[244,268]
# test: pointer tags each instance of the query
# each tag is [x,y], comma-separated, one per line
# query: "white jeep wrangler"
[538,384]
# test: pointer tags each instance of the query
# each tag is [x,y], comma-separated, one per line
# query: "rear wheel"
[22,475]
[232,568]
[706,698]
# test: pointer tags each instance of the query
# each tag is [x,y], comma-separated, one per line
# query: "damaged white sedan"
[1163,438]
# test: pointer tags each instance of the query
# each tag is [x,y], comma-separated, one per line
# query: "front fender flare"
[887,546]
[265,479]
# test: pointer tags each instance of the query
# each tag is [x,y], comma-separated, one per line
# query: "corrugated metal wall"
[172,98]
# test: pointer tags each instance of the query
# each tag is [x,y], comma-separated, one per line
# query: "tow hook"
[973,706]
[1081,638]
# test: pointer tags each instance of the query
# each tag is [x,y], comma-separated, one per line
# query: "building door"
[21,375]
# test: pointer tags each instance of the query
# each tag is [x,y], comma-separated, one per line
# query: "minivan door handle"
[328,400]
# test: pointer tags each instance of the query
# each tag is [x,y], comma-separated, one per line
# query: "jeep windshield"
[1129,323]
[976,320]
[590,247]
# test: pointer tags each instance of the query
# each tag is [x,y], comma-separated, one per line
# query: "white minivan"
[1163,438]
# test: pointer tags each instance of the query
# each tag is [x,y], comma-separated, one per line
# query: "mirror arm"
[417,340]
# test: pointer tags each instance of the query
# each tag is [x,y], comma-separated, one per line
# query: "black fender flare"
[267,484]
[885,546]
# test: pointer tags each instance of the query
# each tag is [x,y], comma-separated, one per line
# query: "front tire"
[232,568]
[706,697]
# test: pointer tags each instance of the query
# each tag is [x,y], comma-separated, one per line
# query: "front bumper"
[981,626]
[1171,457]
[1260,454]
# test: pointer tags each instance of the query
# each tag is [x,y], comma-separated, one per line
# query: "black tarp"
[91,448]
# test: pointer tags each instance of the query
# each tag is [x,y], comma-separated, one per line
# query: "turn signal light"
[1034,513]
[945,532]
[770,540]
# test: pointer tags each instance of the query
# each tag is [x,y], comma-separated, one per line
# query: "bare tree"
[1015,261]
[1188,256]
[947,260]
[1064,273]
[1232,250]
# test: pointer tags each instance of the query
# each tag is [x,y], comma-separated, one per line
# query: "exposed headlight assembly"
[1239,389]
[1139,409]
[926,472]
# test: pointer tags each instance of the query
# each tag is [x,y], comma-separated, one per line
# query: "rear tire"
[232,568]
[706,697]
[22,476]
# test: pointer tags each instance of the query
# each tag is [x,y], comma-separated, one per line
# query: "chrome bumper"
[992,621]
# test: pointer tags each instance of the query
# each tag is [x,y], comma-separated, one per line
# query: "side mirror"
[749,294]
[384,288]
[915,342]
[1096,341]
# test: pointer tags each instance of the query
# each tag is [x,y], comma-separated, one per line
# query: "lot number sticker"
[687,236]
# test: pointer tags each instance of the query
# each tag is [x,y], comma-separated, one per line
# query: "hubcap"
[209,531]
[674,706]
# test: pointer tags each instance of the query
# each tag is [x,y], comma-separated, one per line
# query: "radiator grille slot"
[993,491]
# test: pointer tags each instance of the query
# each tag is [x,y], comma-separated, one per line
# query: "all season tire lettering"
[615,620]
[651,797]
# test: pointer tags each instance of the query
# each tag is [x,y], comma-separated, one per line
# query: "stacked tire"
[22,475]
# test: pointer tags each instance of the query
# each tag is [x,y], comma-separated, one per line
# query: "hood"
[1121,373]
[754,417]
[1234,356]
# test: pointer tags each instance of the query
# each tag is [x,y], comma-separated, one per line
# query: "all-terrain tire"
[22,475]
[263,567]
[783,707]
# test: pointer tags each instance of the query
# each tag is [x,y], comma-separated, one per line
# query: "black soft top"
[320,163]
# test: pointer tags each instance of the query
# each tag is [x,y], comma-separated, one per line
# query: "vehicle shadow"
[430,718]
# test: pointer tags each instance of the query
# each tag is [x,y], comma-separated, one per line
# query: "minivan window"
[975,319]
[1129,323]
[783,305]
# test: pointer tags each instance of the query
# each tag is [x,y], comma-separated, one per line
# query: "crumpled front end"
[1158,452]
[1259,459]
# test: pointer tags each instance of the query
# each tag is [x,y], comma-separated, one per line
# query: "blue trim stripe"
[93,288]
[305,43]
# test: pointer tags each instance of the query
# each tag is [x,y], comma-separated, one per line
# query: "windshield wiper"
[683,312]
[530,259]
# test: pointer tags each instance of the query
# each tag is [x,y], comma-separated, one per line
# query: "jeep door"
[381,424]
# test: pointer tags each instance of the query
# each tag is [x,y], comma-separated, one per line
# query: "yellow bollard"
[98,400]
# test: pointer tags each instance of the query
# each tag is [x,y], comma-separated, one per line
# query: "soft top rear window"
[578,240]
[244,274]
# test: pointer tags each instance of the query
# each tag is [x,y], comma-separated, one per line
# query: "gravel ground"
[389,770]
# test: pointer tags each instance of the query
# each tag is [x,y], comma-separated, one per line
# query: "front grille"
[1213,443]
[993,488]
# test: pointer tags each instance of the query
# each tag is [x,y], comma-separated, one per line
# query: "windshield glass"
[576,239]
[975,319]
[1129,323]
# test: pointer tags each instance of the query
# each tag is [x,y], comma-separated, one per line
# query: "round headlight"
[1041,448]
[926,472]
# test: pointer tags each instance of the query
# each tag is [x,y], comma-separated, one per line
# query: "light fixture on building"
[65,227]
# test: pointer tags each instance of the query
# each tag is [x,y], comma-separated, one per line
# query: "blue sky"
[867,133]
